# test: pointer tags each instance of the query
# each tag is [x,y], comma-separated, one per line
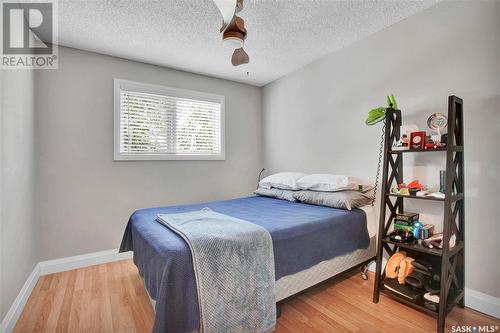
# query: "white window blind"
[166,123]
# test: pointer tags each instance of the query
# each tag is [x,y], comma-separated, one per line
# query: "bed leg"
[278,310]
[364,270]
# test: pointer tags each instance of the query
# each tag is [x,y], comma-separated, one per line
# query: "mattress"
[303,236]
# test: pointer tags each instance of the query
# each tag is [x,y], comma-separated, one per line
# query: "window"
[161,123]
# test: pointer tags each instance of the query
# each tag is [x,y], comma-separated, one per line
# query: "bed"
[310,244]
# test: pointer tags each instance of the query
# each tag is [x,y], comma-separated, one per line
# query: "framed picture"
[417,140]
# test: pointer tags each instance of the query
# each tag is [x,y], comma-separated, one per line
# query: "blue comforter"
[303,235]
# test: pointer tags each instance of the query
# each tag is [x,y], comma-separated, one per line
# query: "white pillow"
[282,180]
[333,183]
[276,193]
[340,199]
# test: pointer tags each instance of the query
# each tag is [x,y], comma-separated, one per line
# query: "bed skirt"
[291,284]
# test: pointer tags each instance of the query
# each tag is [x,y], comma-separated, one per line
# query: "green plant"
[378,114]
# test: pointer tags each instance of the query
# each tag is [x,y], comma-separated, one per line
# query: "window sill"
[154,157]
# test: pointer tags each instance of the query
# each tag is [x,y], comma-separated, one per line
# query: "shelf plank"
[453,148]
[413,197]
[418,305]
[422,249]
[414,247]
[416,150]
[454,197]
[409,303]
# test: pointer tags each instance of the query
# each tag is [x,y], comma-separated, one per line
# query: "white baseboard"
[482,302]
[474,299]
[55,266]
[84,260]
[10,319]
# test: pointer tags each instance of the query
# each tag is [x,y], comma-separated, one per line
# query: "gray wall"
[85,198]
[18,225]
[314,117]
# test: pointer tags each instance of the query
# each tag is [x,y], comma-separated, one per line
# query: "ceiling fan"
[233,29]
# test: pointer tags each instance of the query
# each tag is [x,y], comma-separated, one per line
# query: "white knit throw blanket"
[234,269]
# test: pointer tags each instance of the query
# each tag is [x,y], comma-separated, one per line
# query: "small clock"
[438,123]
[417,140]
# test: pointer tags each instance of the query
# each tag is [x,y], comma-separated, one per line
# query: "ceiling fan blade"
[227,9]
[240,57]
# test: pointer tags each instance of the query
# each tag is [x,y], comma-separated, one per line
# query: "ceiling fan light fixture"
[232,43]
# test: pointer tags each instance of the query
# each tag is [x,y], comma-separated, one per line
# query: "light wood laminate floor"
[111,298]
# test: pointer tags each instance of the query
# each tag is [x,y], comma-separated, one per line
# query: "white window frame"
[169,91]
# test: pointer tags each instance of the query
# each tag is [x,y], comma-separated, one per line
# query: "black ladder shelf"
[451,260]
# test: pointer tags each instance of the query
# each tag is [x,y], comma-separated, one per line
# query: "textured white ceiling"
[283,35]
